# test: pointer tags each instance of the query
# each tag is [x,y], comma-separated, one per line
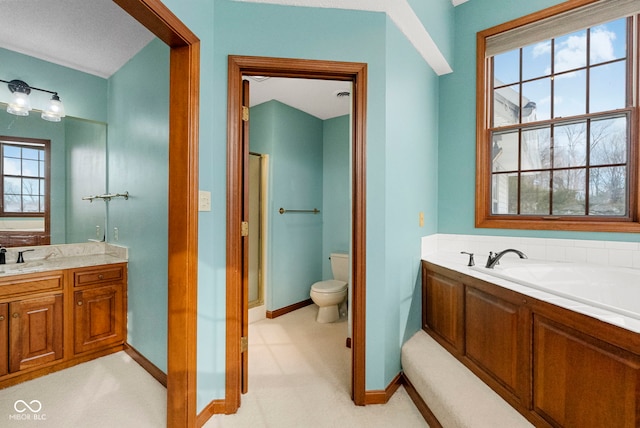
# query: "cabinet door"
[4,338]
[496,340]
[99,317]
[443,302]
[580,381]
[35,332]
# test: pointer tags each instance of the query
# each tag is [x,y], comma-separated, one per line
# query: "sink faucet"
[20,258]
[494,258]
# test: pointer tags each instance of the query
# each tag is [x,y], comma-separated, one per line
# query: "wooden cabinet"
[496,340]
[557,367]
[99,302]
[99,317]
[52,320]
[580,381]
[443,299]
[35,332]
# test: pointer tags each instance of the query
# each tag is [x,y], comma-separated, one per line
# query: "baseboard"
[151,368]
[216,407]
[287,309]
[424,410]
[383,396]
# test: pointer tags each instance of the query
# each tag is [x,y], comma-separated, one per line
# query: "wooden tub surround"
[556,367]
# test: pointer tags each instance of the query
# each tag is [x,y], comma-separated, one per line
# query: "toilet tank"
[340,266]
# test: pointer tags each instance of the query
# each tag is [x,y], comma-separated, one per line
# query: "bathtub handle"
[471,261]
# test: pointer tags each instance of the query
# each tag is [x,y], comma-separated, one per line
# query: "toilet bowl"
[330,294]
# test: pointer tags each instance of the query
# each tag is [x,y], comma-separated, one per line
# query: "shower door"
[256,297]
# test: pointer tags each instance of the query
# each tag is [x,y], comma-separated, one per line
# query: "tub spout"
[494,258]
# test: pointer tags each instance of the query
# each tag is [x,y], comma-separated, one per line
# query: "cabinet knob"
[79,302]
[1,317]
[100,276]
[16,315]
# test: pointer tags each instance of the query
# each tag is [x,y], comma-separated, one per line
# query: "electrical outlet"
[204,200]
[116,234]
[421,219]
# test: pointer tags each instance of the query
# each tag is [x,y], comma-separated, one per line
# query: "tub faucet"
[494,258]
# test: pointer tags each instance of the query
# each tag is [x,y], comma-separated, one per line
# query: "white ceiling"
[97,37]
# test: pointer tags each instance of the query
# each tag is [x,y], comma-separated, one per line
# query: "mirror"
[77,169]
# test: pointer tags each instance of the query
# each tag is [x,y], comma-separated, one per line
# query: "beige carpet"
[112,391]
[298,377]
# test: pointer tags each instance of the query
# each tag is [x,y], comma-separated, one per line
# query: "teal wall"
[293,141]
[138,163]
[437,17]
[411,156]
[456,199]
[336,185]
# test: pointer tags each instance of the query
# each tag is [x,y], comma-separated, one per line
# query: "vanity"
[65,305]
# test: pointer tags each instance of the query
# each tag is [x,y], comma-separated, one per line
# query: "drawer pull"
[16,315]
[101,276]
[79,302]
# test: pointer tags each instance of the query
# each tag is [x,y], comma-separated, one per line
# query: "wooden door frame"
[298,68]
[184,89]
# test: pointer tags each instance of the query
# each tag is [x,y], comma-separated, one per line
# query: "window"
[25,177]
[557,144]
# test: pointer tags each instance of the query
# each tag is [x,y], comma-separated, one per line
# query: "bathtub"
[616,289]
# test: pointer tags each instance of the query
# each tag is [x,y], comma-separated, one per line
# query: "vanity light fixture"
[20,105]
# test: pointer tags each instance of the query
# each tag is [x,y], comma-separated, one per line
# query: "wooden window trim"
[46,144]
[484,217]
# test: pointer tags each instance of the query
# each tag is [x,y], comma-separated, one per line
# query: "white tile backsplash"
[610,253]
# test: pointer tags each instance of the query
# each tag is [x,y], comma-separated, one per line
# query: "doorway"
[258,179]
[237,244]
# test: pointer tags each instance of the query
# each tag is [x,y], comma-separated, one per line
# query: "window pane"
[504,193]
[31,154]
[506,67]
[536,60]
[506,106]
[41,169]
[570,145]
[536,97]
[608,41]
[30,168]
[30,204]
[569,192]
[570,94]
[608,141]
[570,51]
[607,191]
[536,149]
[12,203]
[12,151]
[12,166]
[607,87]
[505,151]
[534,193]
[12,185]
[30,186]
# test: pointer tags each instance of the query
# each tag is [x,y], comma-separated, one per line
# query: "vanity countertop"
[61,257]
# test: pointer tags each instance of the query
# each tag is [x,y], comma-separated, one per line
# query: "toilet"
[329,294]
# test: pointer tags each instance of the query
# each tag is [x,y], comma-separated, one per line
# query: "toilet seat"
[329,286]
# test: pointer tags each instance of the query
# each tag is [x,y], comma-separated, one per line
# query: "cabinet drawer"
[29,284]
[99,275]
